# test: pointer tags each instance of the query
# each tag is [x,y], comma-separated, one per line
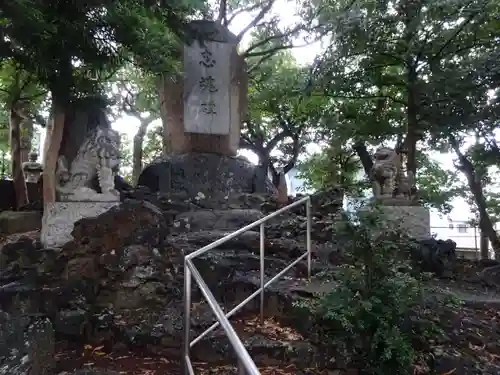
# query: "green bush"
[367,317]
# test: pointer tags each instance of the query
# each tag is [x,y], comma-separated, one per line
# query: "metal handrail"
[245,363]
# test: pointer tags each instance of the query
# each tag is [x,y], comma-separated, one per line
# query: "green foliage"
[134,93]
[394,68]
[279,116]
[70,46]
[126,158]
[335,166]
[437,186]
[5,164]
[153,144]
[366,317]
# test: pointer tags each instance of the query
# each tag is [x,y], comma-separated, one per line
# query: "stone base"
[19,221]
[59,217]
[415,221]
[213,175]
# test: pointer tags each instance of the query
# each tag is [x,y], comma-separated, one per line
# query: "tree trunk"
[52,150]
[26,137]
[364,157]
[137,154]
[476,188]
[484,245]
[171,94]
[17,169]
[81,116]
[3,171]
[412,121]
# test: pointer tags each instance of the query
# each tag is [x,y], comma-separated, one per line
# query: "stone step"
[222,220]
[268,343]
[278,297]
[283,248]
[217,267]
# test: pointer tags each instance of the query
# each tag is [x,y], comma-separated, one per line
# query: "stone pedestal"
[19,221]
[414,221]
[204,109]
[59,217]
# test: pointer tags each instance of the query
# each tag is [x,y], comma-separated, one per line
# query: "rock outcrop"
[26,345]
[119,282]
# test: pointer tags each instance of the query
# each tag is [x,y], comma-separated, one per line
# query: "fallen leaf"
[97,348]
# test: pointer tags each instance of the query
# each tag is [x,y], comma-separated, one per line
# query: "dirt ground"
[471,344]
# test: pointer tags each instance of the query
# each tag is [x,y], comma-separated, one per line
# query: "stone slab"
[207,86]
[415,221]
[19,221]
[59,218]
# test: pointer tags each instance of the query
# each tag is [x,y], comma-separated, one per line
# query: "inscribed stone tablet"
[207,84]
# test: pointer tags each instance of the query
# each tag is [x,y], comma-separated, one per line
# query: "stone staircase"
[232,273]
[125,316]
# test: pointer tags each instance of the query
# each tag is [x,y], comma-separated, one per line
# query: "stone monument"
[213,91]
[204,110]
[393,191]
[32,168]
[86,188]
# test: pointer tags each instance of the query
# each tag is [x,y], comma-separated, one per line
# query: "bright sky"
[305,55]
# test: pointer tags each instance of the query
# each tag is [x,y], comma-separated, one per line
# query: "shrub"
[367,317]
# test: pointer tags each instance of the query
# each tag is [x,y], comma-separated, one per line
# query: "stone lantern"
[32,169]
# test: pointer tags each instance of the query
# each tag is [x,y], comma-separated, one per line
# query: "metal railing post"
[262,275]
[246,366]
[308,238]
[187,317]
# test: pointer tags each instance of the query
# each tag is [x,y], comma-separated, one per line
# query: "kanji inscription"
[207,86]
[208,83]
[206,59]
[208,108]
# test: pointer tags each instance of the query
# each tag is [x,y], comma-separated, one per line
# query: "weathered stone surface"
[250,241]
[26,345]
[119,260]
[232,220]
[414,221]
[118,282]
[436,256]
[207,82]
[131,222]
[98,156]
[206,105]
[214,176]
[90,371]
[59,218]
[19,221]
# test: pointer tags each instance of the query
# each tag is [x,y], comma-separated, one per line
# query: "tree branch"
[277,139]
[268,39]
[222,18]
[367,97]
[455,34]
[295,155]
[256,20]
[364,156]
[258,63]
[241,11]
